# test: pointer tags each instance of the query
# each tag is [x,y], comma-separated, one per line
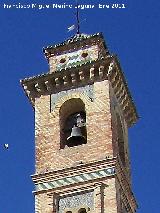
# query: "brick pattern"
[116,109]
[124,188]
[101,143]
[49,156]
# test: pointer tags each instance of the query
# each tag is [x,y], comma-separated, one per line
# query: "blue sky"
[133,33]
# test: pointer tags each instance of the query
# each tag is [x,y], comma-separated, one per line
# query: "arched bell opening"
[73,123]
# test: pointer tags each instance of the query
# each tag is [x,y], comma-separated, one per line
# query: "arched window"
[82,210]
[73,123]
[120,140]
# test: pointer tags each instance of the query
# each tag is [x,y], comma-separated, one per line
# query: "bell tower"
[83,109]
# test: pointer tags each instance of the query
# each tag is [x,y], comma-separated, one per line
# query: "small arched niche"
[73,123]
[82,210]
[120,140]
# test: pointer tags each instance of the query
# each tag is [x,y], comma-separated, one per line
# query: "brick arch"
[85,99]
[71,106]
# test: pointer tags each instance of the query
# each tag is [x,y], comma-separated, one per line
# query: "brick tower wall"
[49,156]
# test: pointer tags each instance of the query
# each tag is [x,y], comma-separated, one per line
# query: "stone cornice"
[107,68]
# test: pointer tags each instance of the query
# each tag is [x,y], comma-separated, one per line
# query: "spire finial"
[77,17]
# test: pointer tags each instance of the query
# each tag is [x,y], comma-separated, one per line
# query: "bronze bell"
[76,138]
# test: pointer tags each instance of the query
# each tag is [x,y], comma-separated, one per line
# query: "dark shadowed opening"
[73,123]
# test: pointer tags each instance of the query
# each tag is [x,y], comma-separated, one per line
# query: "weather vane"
[77,25]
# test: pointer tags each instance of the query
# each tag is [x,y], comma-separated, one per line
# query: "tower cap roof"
[73,39]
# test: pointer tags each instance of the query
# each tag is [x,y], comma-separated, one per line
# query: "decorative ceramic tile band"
[76,179]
